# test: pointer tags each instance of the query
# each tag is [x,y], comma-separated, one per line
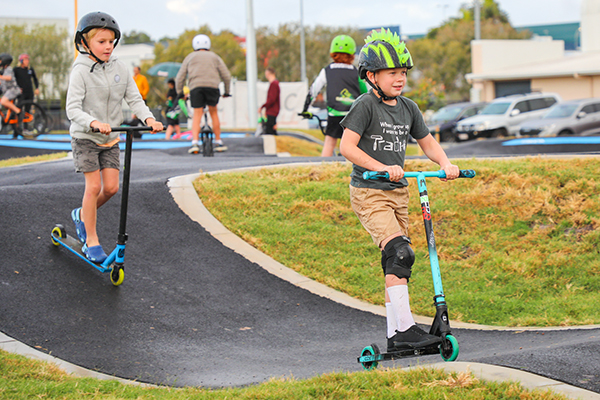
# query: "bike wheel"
[207,145]
[36,120]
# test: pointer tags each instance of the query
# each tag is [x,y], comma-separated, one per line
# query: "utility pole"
[251,67]
[302,45]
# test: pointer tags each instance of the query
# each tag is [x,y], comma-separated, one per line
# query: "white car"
[503,115]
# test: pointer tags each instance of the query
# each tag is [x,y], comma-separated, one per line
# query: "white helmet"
[201,42]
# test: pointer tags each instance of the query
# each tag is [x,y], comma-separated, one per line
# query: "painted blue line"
[552,140]
[63,142]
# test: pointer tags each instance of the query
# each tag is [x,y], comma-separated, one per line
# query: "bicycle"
[36,118]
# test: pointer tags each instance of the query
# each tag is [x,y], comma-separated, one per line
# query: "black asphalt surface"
[193,312]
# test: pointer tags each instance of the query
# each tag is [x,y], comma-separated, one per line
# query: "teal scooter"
[114,263]
[448,349]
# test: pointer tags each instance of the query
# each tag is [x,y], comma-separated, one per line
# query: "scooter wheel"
[371,350]
[449,348]
[117,275]
[58,231]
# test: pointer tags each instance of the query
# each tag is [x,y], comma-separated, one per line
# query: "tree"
[281,49]
[50,52]
[135,37]
[444,55]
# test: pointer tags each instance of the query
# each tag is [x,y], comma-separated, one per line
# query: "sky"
[160,18]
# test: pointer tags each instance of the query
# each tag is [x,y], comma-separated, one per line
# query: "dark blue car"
[444,121]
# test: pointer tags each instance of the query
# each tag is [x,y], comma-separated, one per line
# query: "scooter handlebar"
[464,173]
[127,129]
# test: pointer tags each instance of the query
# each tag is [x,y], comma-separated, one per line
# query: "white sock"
[401,306]
[194,142]
[391,320]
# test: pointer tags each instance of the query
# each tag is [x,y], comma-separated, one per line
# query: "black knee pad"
[397,258]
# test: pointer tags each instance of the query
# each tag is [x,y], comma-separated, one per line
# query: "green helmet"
[343,44]
[383,50]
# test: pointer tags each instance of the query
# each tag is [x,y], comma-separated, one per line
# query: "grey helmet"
[96,19]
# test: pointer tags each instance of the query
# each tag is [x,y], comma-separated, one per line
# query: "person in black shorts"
[204,70]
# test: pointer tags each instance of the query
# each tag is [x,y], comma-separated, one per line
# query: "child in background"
[343,87]
[172,119]
[272,105]
[376,131]
[10,89]
[97,87]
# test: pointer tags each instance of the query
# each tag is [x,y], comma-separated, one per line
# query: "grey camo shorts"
[89,157]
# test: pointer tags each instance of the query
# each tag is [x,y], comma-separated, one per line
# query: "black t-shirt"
[24,78]
[384,131]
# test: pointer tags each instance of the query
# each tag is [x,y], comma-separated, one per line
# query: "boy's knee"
[111,190]
[398,258]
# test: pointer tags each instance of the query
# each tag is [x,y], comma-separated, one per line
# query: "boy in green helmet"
[343,87]
[375,135]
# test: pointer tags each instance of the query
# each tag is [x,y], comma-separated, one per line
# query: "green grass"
[10,162]
[22,378]
[517,244]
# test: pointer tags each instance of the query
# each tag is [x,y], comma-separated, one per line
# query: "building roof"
[567,32]
[573,64]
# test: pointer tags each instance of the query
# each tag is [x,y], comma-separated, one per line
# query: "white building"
[503,67]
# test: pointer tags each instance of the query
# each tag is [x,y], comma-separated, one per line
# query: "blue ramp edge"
[552,141]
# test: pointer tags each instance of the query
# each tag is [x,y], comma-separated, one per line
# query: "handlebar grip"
[375,175]
[467,173]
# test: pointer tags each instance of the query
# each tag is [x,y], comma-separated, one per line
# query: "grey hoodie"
[98,94]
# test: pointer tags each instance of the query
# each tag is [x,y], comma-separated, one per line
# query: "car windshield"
[495,109]
[561,111]
[445,114]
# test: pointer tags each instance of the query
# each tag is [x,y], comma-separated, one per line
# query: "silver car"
[575,117]
[503,115]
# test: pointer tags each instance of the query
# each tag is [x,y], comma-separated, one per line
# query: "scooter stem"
[122,238]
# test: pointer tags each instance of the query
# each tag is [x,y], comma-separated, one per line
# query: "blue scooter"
[448,349]
[114,261]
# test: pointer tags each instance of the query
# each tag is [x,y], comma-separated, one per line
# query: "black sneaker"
[414,337]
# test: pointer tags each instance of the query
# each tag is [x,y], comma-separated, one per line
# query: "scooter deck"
[394,355]
[75,246]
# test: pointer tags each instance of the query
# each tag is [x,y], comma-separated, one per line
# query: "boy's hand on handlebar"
[155,125]
[394,171]
[100,127]
[452,172]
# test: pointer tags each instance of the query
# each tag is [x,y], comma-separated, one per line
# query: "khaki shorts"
[90,157]
[381,212]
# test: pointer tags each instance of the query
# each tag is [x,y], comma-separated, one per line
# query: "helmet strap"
[382,95]
[86,46]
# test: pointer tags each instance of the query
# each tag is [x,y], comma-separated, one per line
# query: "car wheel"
[565,132]
[447,136]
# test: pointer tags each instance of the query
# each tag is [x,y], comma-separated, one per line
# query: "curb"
[14,346]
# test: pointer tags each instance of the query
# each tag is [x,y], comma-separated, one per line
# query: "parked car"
[575,117]
[503,115]
[444,120]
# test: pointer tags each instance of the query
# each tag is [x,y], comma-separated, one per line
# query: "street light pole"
[477,20]
[251,67]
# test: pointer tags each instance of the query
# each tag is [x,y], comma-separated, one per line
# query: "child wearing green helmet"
[375,135]
[343,87]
